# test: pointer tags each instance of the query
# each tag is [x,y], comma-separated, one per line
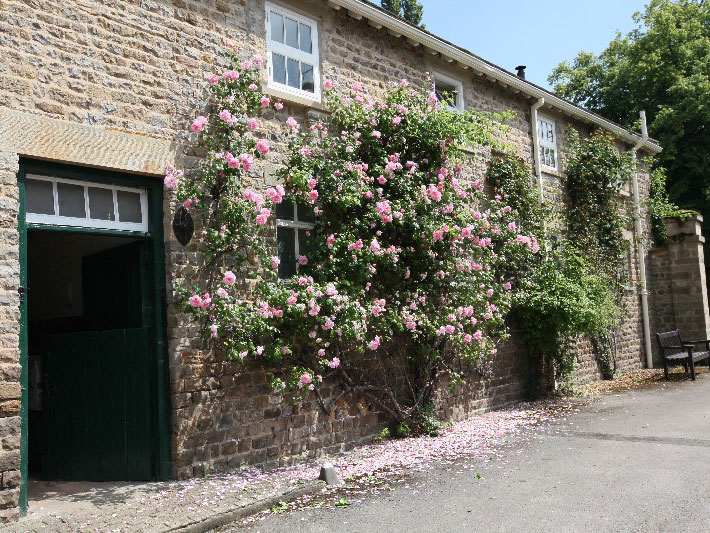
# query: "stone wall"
[10,391]
[115,84]
[678,288]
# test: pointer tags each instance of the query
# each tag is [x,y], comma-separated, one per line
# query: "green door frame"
[160,410]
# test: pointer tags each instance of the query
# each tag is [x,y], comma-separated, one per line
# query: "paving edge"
[212,522]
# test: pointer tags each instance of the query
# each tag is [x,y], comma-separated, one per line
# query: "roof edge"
[398,26]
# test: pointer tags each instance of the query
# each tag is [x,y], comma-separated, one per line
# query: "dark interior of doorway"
[88,355]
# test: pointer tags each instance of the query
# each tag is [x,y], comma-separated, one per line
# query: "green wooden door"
[96,393]
[96,418]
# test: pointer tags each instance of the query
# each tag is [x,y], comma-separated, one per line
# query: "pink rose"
[195,300]
[262,146]
[276,195]
[334,363]
[263,216]
[199,124]
[302,260]
[275,262]
[328,85]
[225,116]
[247,161]
[376,134]
[229,278]
[265,101]
[252,123]
[214,79]
[375,343]
[230,75]
[291,123]
[170,181]
[312,196]
[278,106]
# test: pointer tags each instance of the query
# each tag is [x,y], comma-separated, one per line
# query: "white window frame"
[296,225]
[438,76]
[544,143]
[86,222]
[293,53]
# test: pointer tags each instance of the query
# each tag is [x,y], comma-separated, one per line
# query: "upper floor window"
[547,138]
[292,47]
[449,91]
[293,225]
[61,202]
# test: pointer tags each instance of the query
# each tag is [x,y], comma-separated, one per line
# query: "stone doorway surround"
[24,134]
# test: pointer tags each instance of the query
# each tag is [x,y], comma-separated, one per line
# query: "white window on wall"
[547,138]
[61,202]
[293,225]
[292,46]
[449,91]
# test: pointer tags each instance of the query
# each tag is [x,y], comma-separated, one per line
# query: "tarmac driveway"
[633,461]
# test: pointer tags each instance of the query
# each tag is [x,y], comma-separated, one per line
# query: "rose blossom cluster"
[405,244]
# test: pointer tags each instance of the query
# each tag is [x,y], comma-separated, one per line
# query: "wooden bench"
[674,352]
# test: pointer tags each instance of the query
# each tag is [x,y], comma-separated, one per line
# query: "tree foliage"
[410,10]
[662,66]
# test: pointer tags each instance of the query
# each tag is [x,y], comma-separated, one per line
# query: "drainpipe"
[536,150]
[639,244]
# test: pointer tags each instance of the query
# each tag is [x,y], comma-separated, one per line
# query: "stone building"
[104,380]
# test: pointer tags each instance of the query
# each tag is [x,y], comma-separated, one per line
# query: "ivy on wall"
[574,287]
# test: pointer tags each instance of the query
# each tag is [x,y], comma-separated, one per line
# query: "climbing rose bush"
[406,254]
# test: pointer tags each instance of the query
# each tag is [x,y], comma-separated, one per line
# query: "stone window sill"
[289,98]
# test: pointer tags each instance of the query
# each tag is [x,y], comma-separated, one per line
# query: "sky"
[537,33]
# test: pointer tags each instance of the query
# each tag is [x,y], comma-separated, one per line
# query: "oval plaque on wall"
[183,226]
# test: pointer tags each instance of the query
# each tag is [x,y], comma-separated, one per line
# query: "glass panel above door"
[40,197]
[129,206]
[59,202]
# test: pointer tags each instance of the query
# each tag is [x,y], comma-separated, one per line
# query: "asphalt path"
[632,461]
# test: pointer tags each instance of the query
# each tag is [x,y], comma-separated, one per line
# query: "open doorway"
[89,357]
[95,401]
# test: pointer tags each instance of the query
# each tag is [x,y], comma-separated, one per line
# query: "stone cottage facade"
[95,100]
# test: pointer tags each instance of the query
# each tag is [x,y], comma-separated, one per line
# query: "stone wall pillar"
[10,389]
[686,265]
